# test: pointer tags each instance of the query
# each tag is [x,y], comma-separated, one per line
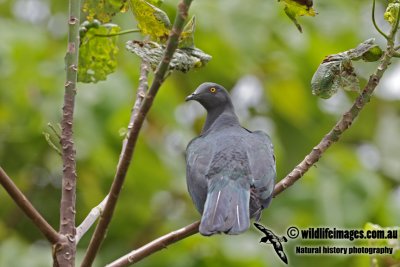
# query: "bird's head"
[210,96]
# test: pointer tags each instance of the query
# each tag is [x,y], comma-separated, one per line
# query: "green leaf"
[97,55]
[337,71]
[392,11]
[334,72]
[366,49]
[184,59]
[296,8]
[103,10]
[187,36]
[373,54]
[151,20]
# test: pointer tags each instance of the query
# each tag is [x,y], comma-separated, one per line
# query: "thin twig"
[333,136]
[51,143]
[54,130]
[90,220]
[156,245]
[140,94]
[64,253]
[26,206]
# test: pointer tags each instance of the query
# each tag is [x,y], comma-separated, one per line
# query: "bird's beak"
[191,97]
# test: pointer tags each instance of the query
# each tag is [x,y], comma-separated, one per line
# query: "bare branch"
[64,253]
[90,220]
[140,94]
[27,207]
[156,245]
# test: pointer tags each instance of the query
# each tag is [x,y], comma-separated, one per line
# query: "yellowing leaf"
[97,55]
[296,8]
[103,10]
[391,13]
[151,20]
[187,36]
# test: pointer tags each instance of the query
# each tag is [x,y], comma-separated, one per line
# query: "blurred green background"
[259,54]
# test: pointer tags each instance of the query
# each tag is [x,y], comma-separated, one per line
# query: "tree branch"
[345,121]
[64,253]
[26,206]
[333,136]
[140,94]
[124,164]
[156,245]
[90,220]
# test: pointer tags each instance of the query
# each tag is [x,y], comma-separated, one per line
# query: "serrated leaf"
[103,10]
[151,20]
[391,13]
[297,8]
[97,55]
[187,35]
[184,59]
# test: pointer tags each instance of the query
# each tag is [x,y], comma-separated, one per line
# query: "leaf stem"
[375,24]
[117,33]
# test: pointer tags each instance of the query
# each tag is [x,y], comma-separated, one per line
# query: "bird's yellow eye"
[213,89]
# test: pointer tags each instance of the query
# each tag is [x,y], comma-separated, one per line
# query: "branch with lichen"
[96,212]
[332,137]
[125,161]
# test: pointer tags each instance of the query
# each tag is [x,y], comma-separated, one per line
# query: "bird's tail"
[226,209]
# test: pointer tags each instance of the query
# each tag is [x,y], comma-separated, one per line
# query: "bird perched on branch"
[230,170]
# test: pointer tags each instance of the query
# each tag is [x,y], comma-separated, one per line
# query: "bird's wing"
[262,165]
[198,158]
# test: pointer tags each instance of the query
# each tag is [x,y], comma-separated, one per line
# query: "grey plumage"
[230,170]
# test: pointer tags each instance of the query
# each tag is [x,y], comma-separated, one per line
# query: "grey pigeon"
[230,170]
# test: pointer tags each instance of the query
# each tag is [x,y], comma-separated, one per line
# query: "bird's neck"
[220,117]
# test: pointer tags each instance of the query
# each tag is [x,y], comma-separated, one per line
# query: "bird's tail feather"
[226,210]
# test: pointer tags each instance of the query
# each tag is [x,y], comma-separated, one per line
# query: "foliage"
[392,11]
[103,10]
[97,55]
[337,71]
[151,20]
[296,8]
[184,59]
